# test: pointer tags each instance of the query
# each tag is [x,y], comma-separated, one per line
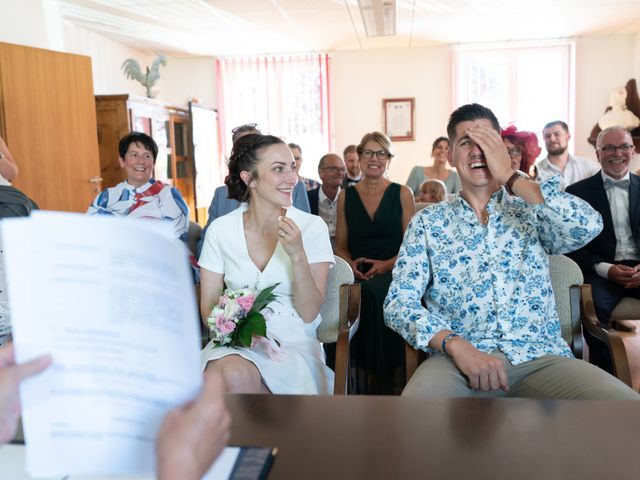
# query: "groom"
[479,262]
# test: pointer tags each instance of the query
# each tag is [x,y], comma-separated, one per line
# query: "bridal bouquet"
[237,317]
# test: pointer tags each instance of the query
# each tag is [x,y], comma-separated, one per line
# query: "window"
[525,85]
[287,96]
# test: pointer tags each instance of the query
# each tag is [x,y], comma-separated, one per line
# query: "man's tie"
[608,184]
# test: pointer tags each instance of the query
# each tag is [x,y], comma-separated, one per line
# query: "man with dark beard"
[558,161]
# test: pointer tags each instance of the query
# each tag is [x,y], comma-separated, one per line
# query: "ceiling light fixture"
[378,16]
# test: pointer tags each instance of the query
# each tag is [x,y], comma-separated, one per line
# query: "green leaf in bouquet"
[254,324]
[264,298]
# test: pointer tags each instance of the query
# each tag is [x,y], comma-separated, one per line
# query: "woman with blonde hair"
[372,218]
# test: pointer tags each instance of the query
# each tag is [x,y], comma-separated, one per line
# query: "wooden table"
[367,437]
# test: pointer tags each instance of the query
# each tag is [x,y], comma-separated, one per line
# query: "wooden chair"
[577,317]
[340,319]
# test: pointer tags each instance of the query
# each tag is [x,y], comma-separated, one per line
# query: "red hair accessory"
[528,143]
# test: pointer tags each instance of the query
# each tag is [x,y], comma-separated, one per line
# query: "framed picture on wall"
[398,118]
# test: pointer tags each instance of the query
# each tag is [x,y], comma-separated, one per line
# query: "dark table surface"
[368,437]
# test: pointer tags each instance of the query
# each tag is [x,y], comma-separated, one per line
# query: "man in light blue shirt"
[480,264]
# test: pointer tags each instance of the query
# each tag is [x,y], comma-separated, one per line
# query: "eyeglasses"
[335,169]
[514,152]
[245,127]
[624,148]
[381,154]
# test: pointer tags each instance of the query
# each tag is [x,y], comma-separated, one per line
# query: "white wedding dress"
[303,370]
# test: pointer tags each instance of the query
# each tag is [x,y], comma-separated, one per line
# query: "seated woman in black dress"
[372,218]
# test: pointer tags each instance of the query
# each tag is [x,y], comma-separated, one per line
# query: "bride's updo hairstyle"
[244,157]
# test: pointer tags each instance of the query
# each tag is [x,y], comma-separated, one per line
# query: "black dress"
[377,351]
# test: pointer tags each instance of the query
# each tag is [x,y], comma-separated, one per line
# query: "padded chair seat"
[627,309]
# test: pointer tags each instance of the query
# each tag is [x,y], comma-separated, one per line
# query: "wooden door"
[113,124]
[48,119]
[182,173]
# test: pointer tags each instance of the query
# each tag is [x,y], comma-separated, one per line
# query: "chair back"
[340,274]
[566,277]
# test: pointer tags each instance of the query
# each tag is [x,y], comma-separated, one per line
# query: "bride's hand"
[290,237]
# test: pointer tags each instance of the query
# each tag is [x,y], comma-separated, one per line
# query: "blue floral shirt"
[489,283]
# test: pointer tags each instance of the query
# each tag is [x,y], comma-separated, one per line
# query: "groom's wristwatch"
[517,175]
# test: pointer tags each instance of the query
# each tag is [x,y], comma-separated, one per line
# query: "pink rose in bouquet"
[237,317]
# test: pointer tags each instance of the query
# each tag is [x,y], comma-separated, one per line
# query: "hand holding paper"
[191,436]
[10,377]
[112,300]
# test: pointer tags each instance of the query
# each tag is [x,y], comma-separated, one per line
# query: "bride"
[268,241]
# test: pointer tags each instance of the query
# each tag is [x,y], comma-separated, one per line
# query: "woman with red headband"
[523,149]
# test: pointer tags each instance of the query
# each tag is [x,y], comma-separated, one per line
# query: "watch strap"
[517,175]
[447,339]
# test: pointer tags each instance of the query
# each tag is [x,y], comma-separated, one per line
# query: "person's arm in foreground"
[192,436]
[11,375]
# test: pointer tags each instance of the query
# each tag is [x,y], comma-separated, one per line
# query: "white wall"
[636,57]
[361,79]
[106,59]
[38,23]
[186,78]
[602,64]
[34,23]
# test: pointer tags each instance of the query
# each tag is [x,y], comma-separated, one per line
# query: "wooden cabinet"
[118,115]
[48,118]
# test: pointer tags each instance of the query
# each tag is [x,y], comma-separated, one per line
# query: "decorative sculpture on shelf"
[617,113]
[624,110]
[131,69]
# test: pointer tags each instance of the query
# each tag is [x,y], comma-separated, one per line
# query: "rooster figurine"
[131,69]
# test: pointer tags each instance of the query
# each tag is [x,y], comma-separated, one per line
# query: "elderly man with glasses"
[611,261]
[324,200]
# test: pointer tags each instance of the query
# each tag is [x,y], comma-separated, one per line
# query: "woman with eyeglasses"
[523,149]
[438,171]
[372,218]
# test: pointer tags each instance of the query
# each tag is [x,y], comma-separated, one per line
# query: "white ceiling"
[235,27]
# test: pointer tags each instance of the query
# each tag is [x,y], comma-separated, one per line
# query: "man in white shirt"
[558,161]
[611,261]
[324,200]
[351,161]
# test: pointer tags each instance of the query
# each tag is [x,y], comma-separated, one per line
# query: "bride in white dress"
[258,245]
